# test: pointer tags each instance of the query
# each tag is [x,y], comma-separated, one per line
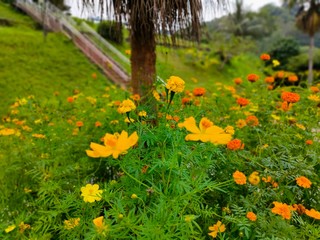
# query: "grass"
[34,66]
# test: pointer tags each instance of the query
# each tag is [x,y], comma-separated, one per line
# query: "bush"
[111,31]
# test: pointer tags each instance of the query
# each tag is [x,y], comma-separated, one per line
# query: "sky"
[252,5]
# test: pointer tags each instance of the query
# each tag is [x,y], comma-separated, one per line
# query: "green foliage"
[284,49]
[111,31]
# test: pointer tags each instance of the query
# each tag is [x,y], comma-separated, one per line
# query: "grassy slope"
[31,66]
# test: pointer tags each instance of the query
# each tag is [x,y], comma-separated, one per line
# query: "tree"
[147,19]
[308,21]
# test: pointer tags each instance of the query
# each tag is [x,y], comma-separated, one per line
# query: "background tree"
[147,19]
[308,21]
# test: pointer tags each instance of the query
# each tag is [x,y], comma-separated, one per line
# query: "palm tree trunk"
[143,66]
[310,65]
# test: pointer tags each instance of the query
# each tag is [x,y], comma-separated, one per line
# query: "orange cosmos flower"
[303,182]
[269,79]
[241,123]
[285,106]
[281,209]
[314,89]
[252,121]
[235,144]
[313,213]
[98,124]
[299,208]
[114,145]
[251,216]
[243,101]
[135,97]
[290,97]
[99,224]
[186,101]
[252,77]
[265,57]
[237,81]
[292,78]
[94,75]
[207,132]
[216,228]
[198,92]
[309,142]
[70,99]
[239,177]
[79,124]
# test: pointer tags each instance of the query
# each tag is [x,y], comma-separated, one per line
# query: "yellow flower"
[275,63]
[91,193]
[7,131]
[38,135]
[10,228]
[142,114]
[71,223]
[300,126]
[114,145]
[207,132]
[229,130]
[241,123]
[216,228]
[156,95]
[23,226]
[99,224]
[126,106]
[189,218]
[254,178]
[175,84]
[314,98]
[134,196]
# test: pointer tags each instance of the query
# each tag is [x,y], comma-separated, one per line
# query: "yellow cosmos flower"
[275,63]
[7,131]
[114,145]
[254,178]
[216,228]
[91,193]
[71,223]
[175,84]
[126,106]
[300,126]
[314,98]
[99,224]
[207,132]
[10,228]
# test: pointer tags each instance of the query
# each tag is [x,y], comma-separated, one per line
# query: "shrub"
[111,31]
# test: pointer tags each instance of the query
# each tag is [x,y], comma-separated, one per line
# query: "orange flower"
[285,106]
[269,79]
[252,77]
[241,123]
[303,182]
[313,213]
[243,101]
[239,178]
[299,208]
[309,142]
[270,87]
[290,97]
[254,178]
[292,78]
[237,81]
[79,124]
[281,209]
[280,74]
[94,75]
[252,121]
[216,228]
[186,101]
[235,144]
[98,124]
[265,57]
[135,97]
[251,216]
[175,84]
[268,179]
[70,99]
[199,91]
[314,89]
